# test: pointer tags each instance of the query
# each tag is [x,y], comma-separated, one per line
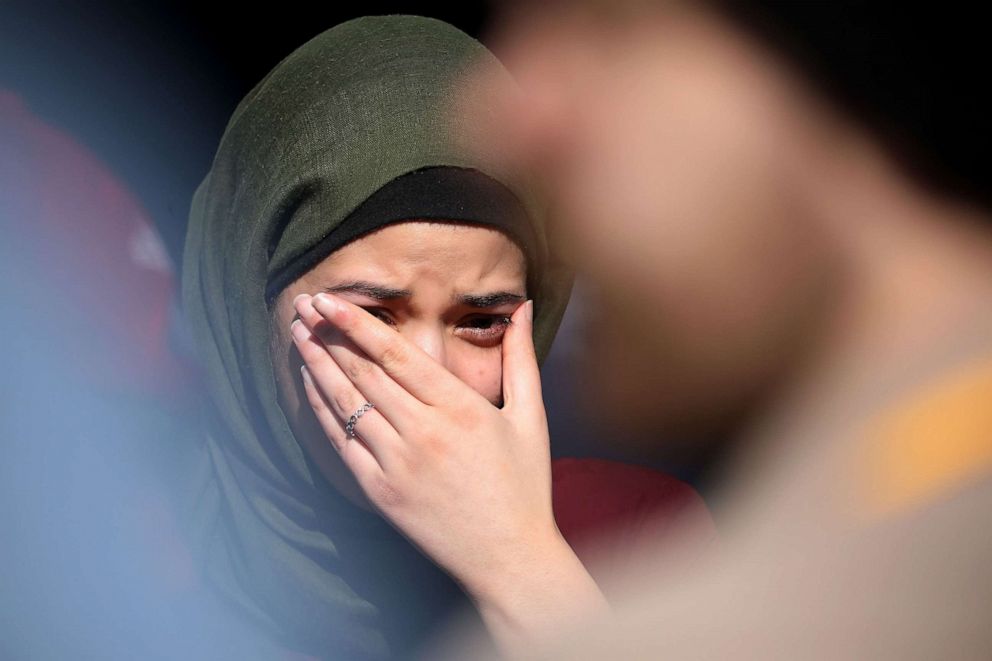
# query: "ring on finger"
[353,420]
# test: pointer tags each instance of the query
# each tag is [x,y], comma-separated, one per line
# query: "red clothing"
[608,510]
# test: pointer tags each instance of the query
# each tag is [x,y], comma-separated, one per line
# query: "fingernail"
[529,310]
[327,305]
[306,375]
[299,331]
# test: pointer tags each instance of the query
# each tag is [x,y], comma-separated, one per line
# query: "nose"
[429,337]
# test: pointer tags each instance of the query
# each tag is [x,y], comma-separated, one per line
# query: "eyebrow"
[491,300]
[370,289]
[383,293]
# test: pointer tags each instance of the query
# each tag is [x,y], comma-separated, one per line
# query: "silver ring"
[353,420]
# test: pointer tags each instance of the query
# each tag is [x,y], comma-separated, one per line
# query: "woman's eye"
[484,329]
[381,315]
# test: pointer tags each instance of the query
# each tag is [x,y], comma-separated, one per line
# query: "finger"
[407,365]
[342,398]
[521,375]
[354,453]
[391,400]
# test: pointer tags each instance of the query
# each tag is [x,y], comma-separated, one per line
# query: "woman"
[319,173]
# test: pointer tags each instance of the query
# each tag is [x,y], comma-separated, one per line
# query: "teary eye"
[483,329]
[381,314]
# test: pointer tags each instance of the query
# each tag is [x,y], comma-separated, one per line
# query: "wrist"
[537,589]
[519,566]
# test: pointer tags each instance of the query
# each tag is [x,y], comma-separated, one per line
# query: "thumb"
[521,376]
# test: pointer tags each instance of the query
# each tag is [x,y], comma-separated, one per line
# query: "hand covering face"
[358,107]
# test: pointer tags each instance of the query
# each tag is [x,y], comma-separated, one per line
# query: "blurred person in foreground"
[805,283]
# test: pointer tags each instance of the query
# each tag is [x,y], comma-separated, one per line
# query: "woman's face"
[447,288]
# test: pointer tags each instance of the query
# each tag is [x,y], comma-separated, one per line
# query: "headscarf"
[357,107]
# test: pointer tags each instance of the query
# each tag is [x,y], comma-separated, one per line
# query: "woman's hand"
[467,482]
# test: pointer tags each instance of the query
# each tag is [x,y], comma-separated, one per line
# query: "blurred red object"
[611,512]
[101,284]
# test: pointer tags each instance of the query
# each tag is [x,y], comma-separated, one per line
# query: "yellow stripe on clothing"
[935,442]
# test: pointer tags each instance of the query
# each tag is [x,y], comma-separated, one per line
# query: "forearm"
[540,592]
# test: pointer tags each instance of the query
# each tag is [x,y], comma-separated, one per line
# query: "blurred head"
[448,288]
[719,200]
[673,147]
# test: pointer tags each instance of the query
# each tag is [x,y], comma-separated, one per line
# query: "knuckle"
[434,445]
[309,350]
[312,395]
[393,356]
[316,401]
[467,418]
[422,454]
[342,402]
[358,369]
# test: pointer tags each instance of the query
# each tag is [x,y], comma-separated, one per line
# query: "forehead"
[421,251]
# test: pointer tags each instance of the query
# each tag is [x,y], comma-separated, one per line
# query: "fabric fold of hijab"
[350,111]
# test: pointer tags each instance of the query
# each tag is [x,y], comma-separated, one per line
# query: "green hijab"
[350,111]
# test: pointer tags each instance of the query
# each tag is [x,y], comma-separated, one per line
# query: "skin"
[431,266]
[458,426]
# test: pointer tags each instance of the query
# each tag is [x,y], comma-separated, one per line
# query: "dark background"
[149,86]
